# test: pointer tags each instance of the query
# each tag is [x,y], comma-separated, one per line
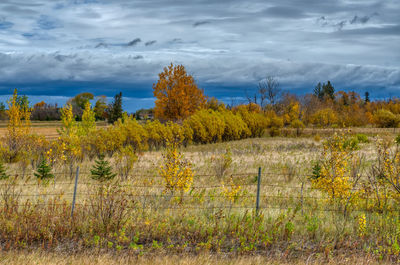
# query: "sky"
[52,50]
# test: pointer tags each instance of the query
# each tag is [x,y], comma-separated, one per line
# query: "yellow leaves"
[19,117]
[88,120]
[177,94]
[176,171]
[67,120]
[18,126]
[336,168]
[324,117]
[231,190]
[255,121]
[207,125]
[362,225]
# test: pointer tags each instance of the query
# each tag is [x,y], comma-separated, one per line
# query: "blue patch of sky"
[80,2]
[36,36]
[6,25]
[48,23]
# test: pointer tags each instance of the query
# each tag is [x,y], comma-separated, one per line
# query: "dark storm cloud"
[362,20]
[229,44]
[134,42]
[200,23]
[284,12]
[148,43]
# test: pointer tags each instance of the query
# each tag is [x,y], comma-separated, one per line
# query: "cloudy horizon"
[57,49]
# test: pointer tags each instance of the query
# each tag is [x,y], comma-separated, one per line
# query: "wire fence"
[155,197]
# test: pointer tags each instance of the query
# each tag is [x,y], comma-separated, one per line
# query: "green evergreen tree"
[43,171]
[318,91]
[3,173]
[102,170]
[115,109]
[328,90]
[366,97]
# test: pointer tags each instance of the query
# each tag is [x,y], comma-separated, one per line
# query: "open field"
[137,216]
[45,128]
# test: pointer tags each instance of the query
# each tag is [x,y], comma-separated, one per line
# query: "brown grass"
[41,257]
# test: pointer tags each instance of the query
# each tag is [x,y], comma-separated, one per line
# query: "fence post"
[258,190]
[75,187]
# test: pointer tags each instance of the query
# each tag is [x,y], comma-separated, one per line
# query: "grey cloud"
[200,23]
[284,12]
[134,42]
[148,43]
[362,20]
[341,24]
[242,40]
[102,45]
[241,70]
[371,31]
[15,9]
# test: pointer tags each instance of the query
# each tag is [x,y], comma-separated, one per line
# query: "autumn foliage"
[177,94]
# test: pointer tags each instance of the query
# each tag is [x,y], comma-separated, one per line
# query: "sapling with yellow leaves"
[338,171]
[176,170]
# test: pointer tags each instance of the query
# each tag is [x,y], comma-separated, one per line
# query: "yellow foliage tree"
[176,171]
[338,172]
[67,120]
[177,94]
[18,127]
[324,118]
[88,120]
[207,126]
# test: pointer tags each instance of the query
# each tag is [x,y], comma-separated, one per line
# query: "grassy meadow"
[213,222]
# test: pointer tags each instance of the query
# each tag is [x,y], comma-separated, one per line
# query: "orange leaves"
[177,94]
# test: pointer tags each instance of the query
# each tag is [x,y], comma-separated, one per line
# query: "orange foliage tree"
[177,94]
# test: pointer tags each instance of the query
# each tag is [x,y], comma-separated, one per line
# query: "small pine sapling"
[102,170]
[43,171]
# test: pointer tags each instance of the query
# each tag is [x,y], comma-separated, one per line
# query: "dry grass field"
[206,225]
[42,258]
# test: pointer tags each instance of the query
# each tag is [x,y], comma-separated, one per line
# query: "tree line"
[178,98]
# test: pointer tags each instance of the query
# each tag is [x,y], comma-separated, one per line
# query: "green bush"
[362,138]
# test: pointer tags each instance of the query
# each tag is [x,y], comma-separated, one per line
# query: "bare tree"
[268,88]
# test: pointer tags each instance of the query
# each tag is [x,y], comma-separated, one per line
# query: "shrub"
[338,171]
[386,119]
[44,171]
[256,122]
[362,138]
[176,171]
[298,125]
[108,208]
[207,126]
[275,125]
[397,139]
[325,117]
[221,163]
[102,171]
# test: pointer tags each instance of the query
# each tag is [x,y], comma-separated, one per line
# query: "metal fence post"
[258,190]
[75,188]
